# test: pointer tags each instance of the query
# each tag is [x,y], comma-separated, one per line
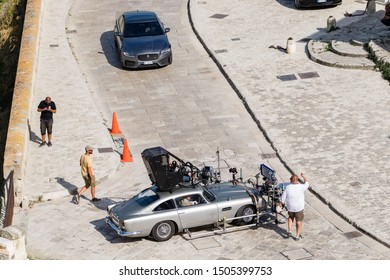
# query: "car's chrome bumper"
[119,231]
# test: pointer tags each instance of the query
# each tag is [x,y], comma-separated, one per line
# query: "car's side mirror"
[167,30]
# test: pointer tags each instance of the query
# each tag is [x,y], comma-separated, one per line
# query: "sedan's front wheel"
[163,231]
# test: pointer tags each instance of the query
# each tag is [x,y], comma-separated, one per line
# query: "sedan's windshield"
[142,29]
[146,197]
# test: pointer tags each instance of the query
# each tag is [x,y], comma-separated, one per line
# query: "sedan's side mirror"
[167,30]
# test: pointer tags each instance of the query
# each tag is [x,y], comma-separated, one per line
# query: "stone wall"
[13,243]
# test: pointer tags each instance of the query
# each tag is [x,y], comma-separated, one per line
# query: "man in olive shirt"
[87,173]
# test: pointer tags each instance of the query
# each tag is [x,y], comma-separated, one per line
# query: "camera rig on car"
[168,171]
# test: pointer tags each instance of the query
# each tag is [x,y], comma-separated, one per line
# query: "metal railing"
[7,201]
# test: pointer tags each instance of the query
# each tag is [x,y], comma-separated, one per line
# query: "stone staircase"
[342,54]
[347,46]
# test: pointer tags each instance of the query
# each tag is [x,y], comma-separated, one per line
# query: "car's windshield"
[142,29]
[146,197]
[208,195]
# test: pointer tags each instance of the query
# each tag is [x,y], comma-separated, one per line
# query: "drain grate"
[308,75]
[70,31]
[53,45]
[221,51]
[105,150]
[289,77]
[352,234]
[265,156]
[218,16]
[236,39]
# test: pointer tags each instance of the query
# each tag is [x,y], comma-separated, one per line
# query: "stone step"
[321,52]
[348,49]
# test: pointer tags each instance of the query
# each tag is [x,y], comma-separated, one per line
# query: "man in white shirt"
[294,199]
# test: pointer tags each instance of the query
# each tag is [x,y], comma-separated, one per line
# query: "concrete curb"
[14,156]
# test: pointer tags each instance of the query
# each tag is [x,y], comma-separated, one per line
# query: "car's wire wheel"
[163,231]
[247,210]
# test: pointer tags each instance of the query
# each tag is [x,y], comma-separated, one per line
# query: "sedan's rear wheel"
[246,210]
[163,231]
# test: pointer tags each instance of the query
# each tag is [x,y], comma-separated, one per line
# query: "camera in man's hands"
[233,170]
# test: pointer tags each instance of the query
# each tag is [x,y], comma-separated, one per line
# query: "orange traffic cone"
[126,155]
[115,127]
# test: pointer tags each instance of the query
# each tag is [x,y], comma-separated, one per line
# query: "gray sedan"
[316,3]
[141,40]
[161,214]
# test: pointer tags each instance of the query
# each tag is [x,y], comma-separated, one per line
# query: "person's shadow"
[72,189]
[33,137]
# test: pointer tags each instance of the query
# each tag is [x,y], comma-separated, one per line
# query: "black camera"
[233,170]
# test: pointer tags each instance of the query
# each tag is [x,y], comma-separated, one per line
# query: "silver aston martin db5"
[176,201]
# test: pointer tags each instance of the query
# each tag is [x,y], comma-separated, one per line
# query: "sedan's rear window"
[142,29]
[146,197]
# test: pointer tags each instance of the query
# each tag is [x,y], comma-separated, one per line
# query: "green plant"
[382,66]
[328,47]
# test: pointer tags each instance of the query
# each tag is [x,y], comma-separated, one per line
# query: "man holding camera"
[46,108]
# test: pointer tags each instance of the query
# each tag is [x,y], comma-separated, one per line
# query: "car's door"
[199,214]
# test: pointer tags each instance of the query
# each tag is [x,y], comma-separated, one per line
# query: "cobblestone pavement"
[334,127]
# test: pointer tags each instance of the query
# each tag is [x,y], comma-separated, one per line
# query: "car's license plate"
[321,1]
[147,62]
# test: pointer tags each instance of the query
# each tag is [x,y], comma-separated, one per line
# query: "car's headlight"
[166,51]
[128,54]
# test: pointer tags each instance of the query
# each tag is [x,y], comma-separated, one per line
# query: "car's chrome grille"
[115,220]
[148,57]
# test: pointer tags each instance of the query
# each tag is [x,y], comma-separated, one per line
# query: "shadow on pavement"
[108,46]
[33,137]
[67,185]
[110,235]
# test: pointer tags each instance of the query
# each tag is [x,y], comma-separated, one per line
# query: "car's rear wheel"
[163,231]
[246,210]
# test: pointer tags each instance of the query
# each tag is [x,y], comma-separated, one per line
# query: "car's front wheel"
[248,211]
[163,231]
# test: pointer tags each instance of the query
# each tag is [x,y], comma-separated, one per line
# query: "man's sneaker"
[77,196]
[288,234]
[95,199]
[299,237]
[49,144]
[42,144]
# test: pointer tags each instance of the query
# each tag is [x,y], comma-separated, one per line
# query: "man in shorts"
[87,173]
[47,108]
[294,199]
